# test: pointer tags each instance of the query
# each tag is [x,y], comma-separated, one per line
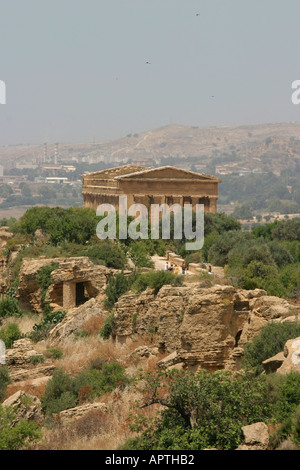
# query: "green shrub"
[295,431]
[110,254]
[140,255]
[107,328]
[288,396]
[64,391]
[9,307]
[59,393]
[9,334]
[17,436]
[80,334]
[117,286]
[102,380]
[268,343]
[4,380]
[38,359]
[155,280]
[53,353]
[41,330]
[75,224]
[44,278]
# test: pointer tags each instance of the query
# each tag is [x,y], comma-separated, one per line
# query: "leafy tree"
[201,410]
[110,254]
[5,190]
[221,246]
[26,191]
[139,254]
[243,212]
[262,276]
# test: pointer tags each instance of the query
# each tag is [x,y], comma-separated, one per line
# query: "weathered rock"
[74,320]
[18,375]
[206,327]
[21,353]
[27,407]
[67,416]
[143,352]
[70,271]
[256,437]
[169,361]
[291,353]
[273,363]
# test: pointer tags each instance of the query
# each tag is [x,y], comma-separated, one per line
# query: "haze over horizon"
[98,70]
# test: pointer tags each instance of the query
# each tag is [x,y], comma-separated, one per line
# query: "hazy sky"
[75,70]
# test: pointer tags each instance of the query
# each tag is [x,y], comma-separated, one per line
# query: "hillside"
[260,146]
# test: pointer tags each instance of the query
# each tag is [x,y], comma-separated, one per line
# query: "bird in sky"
[148,62]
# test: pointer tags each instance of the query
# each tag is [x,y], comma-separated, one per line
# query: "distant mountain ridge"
[249,144]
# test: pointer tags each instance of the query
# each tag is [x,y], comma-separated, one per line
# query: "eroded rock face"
[70,270]
[67,416]
[291,359]
[207,327]
[27,407]
[73,321]
[21,353]
[23,361]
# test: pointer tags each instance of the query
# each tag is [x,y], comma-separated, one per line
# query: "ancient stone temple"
[164,185]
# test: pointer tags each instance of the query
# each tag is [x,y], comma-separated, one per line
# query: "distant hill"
[262,147]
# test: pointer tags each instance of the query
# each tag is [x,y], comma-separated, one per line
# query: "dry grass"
[97,430]
[25,322]
[93,325]
[78,354]
[31,389]
[287,445]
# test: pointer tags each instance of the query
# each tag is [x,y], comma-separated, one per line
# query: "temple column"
[69,294]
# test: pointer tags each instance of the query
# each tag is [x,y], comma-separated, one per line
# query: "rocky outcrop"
[74,270]
[22,353]
[67,416]
[273,363]
[256,437]
[74,320]
[207,327]
[24,362]
[291,357]
[286,361]
[25,406]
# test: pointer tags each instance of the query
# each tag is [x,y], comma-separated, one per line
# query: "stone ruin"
[75,281]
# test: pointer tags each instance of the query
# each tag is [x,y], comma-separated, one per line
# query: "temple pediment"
[168,173]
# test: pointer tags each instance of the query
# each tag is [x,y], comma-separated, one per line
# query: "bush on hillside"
[268,343]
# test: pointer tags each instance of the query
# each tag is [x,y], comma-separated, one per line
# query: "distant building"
[164,185]
[56,179]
